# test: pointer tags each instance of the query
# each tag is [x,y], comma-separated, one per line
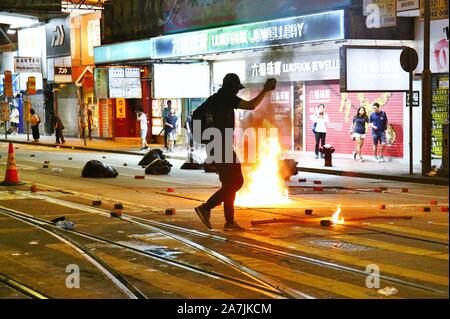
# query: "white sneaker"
[381,159]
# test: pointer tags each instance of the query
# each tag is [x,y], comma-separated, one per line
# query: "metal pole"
[27,116]
[426,94]
[410,103]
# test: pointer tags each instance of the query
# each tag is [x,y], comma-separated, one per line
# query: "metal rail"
[266,289]
[21,288]
[116,278]
[272,251]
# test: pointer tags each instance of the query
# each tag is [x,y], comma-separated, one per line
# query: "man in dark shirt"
[221,106]
[378,120]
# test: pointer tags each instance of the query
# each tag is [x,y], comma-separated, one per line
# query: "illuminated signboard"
[125,83]
[126,51]
[372,69]
[310,28]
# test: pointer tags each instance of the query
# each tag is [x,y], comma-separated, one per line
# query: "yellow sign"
[121,108]
[8,84]
[438,9]
[31,85]
[27,106]
[5,111]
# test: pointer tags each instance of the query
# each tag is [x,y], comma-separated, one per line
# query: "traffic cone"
[11,175]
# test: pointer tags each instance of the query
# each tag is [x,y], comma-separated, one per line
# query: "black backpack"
[203,116]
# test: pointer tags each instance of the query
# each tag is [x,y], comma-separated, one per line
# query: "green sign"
[311,28]
[125,51]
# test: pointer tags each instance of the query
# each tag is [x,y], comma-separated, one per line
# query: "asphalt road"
[282,254]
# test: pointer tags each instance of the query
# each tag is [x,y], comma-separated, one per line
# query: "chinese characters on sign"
[303,29]
[125,83]
[7,86]
[438,9]
[27,64]
[439,111]
[380,13]
[320,66]
[120,108]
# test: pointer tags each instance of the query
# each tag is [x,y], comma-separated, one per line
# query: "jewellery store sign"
[304,29]
[290,67]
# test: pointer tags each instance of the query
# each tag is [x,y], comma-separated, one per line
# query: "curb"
[398,178]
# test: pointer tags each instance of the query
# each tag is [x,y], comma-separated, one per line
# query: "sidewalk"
[343,165]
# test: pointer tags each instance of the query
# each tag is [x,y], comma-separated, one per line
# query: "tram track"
[271,290]
[169,229]
[21,288]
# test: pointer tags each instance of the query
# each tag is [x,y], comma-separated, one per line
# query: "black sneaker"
[204,214]
[233,227]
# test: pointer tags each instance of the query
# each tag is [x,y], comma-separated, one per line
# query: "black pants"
[166,135]
[35,131]
[320,138]
[230,174]
[59,136]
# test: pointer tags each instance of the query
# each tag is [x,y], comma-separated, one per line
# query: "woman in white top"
[320,119]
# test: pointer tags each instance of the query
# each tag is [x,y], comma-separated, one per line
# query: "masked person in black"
[221,106]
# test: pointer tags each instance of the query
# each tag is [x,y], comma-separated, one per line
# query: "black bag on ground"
[95,168]
[151,156]
[192,162]
[158,167]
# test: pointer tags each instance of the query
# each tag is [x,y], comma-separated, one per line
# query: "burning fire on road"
[264,185]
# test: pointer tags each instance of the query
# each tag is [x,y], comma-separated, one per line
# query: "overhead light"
[11,31]
[17,21]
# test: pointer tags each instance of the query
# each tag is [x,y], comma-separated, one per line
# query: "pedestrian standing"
[358,131]
[166,113]
[35,121]
[378,121]
[188,127]
[320,119]
[142,119]
[170,122]
[14,119]
[59,127]
[90,122]
[220,107]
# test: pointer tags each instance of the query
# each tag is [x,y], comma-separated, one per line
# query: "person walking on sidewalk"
[142,119]
[170,122]
[59,127]
[221,107]
[378,121]
[320,119]
[35,121]
[358,131]
[165,113]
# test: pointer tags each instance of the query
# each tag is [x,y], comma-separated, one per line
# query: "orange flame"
[264,185]
[335,218]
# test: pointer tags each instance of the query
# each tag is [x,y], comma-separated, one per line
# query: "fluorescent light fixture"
[11,31]
[17,21]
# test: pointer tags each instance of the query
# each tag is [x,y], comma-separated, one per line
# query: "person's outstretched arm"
[252,104]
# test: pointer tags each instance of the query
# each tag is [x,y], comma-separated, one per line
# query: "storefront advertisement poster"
[439,48]
[380,13]
[438,9]
[439,113]
[125,83]
[342,107]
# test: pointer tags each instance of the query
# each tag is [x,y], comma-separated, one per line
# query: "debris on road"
[388,291]
[96,168]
